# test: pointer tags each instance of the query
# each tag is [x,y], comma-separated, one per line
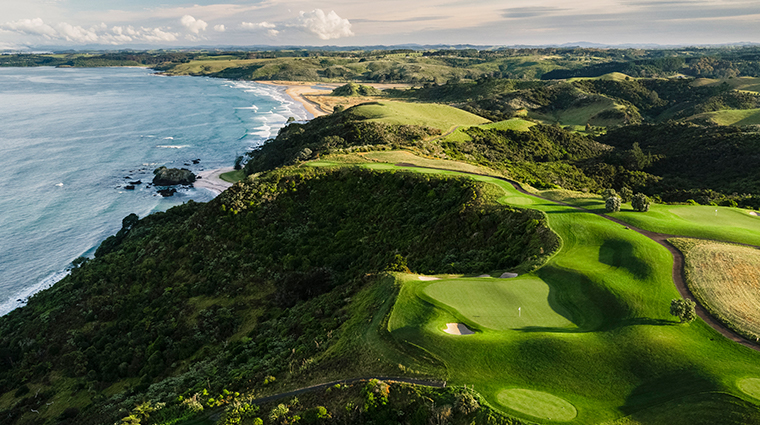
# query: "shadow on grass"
[620,253]
[665,386]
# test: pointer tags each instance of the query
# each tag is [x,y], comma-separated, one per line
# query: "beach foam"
[20,298]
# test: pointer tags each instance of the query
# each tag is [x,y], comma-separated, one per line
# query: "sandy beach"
[296,90]
[209,179]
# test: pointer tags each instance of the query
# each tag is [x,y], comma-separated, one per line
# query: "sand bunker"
[752,213]
[457,329]
[429,278]
[484,275]
[507,275]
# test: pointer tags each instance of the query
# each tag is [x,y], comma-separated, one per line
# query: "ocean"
[71,139]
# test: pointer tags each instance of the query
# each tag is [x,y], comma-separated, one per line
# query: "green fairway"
[537,404]
[493,303]
[598,339]
[750,386]
[442,117]
[700,221]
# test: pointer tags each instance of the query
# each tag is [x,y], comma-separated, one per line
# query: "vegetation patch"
[724,278]
[750,386]
[538,404]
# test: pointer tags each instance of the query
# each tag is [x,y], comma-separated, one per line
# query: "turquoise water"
[71,138]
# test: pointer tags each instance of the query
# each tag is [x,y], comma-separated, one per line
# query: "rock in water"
[172,176]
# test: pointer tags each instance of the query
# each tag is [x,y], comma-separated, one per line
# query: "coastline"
[211,180]
[297,90]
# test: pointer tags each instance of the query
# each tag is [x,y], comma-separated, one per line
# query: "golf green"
[537,404]
[499,304]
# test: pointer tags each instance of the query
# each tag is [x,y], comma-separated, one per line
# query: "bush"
[466,403]
[684,309]
[609,193]
[612,204]
[640,202]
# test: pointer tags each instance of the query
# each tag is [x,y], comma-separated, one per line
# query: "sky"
[179,23]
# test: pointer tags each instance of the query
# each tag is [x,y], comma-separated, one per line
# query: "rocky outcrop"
[172,176]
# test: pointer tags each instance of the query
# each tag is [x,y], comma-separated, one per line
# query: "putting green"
[537,404]
[750,386]
[518,200]
[494,303]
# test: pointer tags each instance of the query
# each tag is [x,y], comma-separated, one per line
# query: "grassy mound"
[731,117]
[750,386]
[724,278]
[537,404]
[442,117]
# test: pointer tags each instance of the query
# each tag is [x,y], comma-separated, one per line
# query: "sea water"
[72,139]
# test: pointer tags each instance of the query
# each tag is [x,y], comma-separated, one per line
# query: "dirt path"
[424,382]
[660,238]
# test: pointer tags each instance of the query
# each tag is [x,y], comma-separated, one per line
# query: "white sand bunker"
[429,278]
[507,275]
[752,213]
[457,329]
[484,275]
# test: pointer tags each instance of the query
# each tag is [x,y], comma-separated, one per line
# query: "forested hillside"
[255,286]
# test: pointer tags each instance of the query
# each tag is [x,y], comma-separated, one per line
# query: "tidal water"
[70,140]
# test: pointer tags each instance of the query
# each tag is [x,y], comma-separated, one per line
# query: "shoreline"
[211,180]
[297,90]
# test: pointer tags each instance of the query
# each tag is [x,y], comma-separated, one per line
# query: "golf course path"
[424,382]
[660,238]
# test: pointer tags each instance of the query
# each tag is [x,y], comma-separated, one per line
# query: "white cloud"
[194,25]
[34,26]
[219,28]
[258,25]
[157,35]
[76,33]
[272,33]
[325,26]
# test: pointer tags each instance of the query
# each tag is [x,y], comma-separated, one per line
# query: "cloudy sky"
[167,23]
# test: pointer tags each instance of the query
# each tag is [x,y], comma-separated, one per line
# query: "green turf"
[517,124]
[701,221]
[233,176]
[442,117]
[618,357]
[537,404]
[732,117]
[493,303]
[750,386]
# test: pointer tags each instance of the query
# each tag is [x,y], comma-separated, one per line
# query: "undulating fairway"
[598,344]
[699,221]
[731,117]
[516,124]
[725,278]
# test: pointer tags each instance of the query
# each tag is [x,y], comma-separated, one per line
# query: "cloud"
[194,25]
[325,26]
[529,12]
[95,34]
[219,28]
[258,25]
[34,26]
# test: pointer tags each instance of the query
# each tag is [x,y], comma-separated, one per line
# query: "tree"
[612,204]
[684,309]
[626,194]
[640,202]
[609,193]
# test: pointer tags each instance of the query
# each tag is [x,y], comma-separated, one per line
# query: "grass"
[578,117]
[442,117]
[493,303]
[750,386]
[233,176]
[731,117]
[699,221]
[602,339]
[537,404]
[517,124]
[724,278]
